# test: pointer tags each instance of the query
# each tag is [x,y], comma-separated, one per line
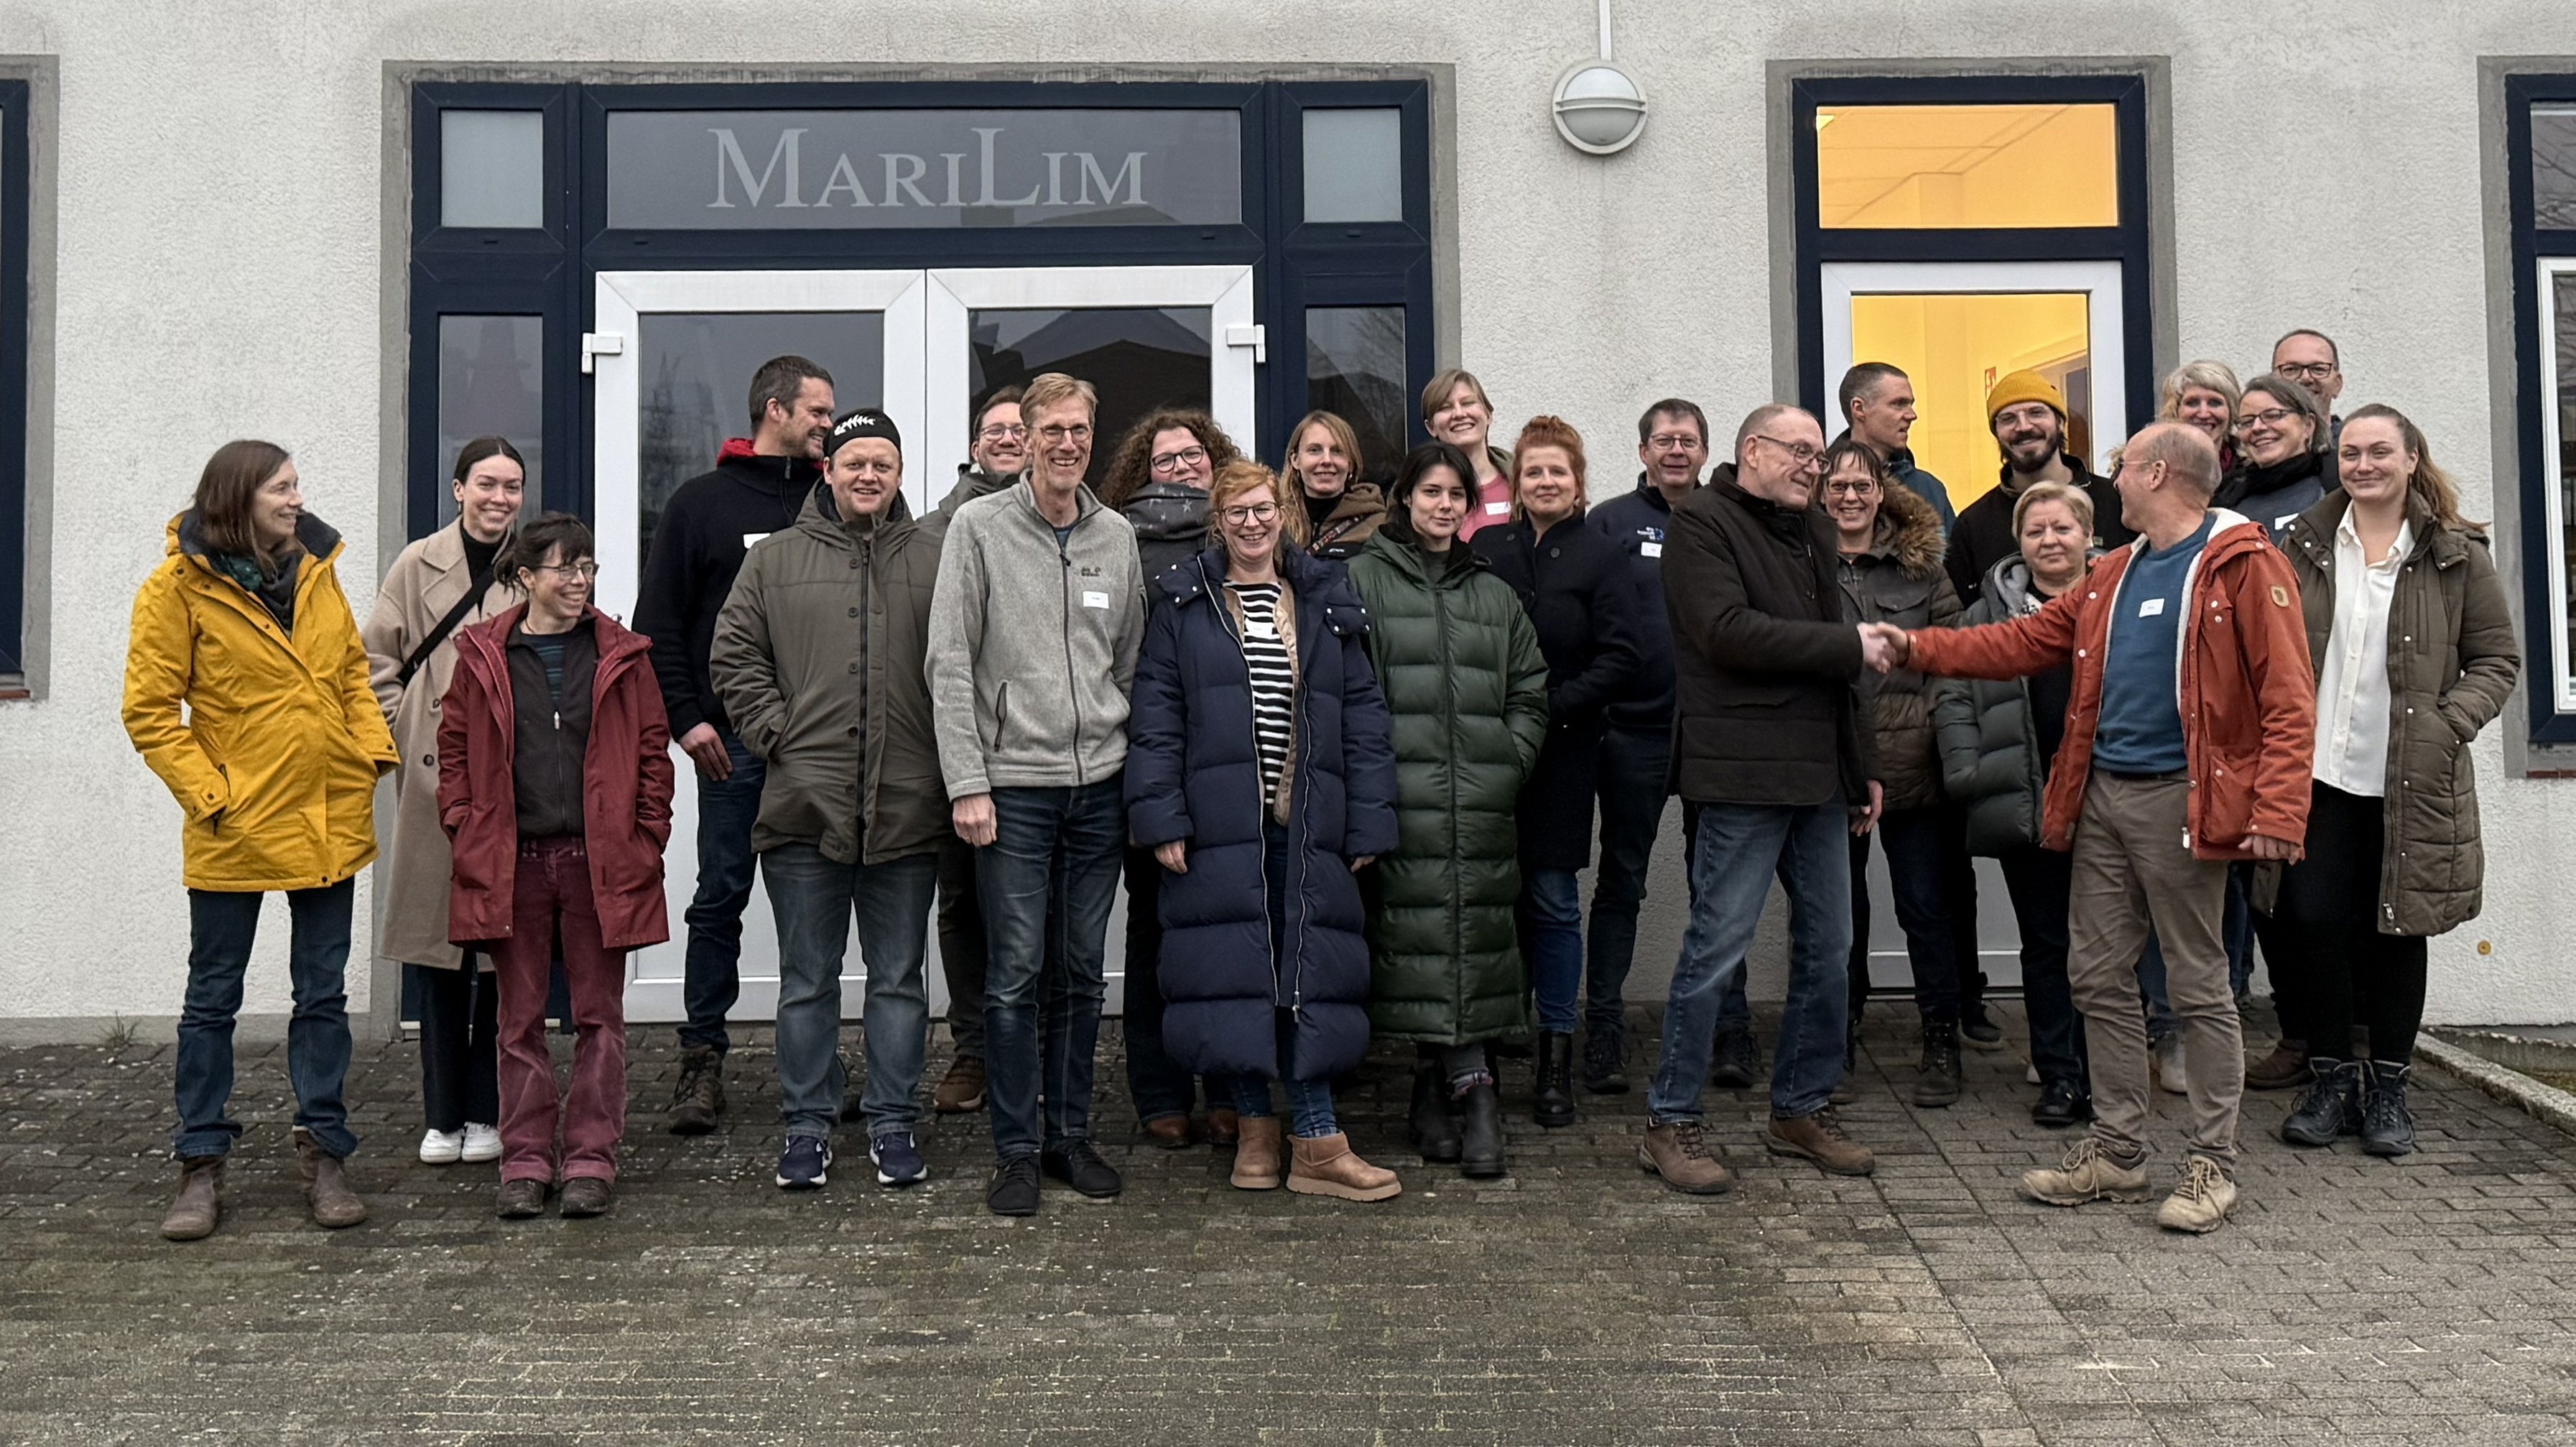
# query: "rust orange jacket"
[2248,695]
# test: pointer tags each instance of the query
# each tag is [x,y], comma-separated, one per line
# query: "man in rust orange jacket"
[2189,741]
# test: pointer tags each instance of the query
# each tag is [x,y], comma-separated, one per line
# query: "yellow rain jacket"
[275,757]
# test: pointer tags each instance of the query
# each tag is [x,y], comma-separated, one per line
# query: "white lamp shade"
[1599,110]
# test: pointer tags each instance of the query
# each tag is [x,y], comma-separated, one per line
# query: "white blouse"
[2353,701]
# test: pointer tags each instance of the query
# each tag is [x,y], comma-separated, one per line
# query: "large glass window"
[1943,166]
[1140,358]
[2540,135]
[1355,368]
[491,383]
[1954,346]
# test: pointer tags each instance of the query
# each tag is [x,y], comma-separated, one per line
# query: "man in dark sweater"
[2028,415]
[758,488]
[1878,408]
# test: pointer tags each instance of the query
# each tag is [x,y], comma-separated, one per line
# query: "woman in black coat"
[1261,772]
[1576,584]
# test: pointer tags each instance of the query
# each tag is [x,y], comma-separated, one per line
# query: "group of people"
[1345,742]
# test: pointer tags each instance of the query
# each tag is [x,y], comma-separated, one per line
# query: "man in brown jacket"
[818,655]
[2188,745]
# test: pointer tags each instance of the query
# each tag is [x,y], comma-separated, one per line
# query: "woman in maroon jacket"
[554,782]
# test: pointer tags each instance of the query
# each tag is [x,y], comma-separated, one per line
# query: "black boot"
[2387,1127]
[2330,1107]
[1937,1080]
[1604,1072]
[1552,1101]
[1481,1137]
[1435,1130]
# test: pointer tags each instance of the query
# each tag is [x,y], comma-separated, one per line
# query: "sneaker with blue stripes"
[898,1160]
[801,1167]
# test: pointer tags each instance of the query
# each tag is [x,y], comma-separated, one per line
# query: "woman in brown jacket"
[2414,652]
[411,654]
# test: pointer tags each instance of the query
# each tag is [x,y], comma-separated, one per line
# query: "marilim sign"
[830,169]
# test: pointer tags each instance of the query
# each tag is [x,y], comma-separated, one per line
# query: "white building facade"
[371,232]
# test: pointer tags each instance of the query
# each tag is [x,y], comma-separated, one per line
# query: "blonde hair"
[1244,475]
[1054,389]
[1437,394]
[2427,484]
[2218,377]
[2066,495]
[1343,436]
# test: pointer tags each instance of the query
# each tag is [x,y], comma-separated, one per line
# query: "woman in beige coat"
[410,656]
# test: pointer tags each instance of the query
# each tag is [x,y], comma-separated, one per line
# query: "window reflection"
[2553,167]
[491,372]
[1954,346]
[1138,358]
[1944,166]
[1355,367]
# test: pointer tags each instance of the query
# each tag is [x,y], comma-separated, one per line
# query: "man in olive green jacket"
[819,655]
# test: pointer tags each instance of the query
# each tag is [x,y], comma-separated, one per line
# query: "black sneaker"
[1734,1063]
[1976,1031]
[1076,1164]
[699,1098]
[1014,1191]
[2062,1103]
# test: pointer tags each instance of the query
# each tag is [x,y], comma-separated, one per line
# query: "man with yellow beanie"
[2028,415]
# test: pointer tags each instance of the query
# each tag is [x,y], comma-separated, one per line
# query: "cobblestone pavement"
[1575,1302]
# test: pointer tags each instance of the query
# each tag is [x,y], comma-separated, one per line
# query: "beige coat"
[425,581]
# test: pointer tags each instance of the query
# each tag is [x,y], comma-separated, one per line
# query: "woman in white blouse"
[2414,651]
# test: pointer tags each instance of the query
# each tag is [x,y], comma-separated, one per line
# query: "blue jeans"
[1740,847]
[2039,881]
[814,899]
[1734,1007]
[221,926]
[1912,841]
[712,970]
[1055,853]
[1552,921]
[1632,791]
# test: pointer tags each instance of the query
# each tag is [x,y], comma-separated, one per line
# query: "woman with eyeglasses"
[2204,395]
[1889,545]
[554,784]
[1261,776]
[1342,512]
[2414,647]
[1576,585]
[1158,480]
[2284,459]
[1467,688]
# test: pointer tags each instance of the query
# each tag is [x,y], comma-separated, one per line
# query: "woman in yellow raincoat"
[246,691]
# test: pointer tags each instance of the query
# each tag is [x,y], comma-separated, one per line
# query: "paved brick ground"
[2352,1299]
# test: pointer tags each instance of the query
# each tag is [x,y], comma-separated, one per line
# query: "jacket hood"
[1167,512]
[737,459]
[2230,533]
[186,536]
[616,642]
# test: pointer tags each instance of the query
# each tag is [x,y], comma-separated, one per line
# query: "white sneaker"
[482,1143]
[2168,1066]
[442,1148]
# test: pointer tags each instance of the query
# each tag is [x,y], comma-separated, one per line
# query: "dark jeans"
[221,928]
[552,911]
[814,899]
[1740,848]
[961,945]
[1158,1084]
[1054,856]
[1959,894]
[1632,792]
[1551,909]
[1913,841]
[712,971]
[1734,1006]
[2038,881]
[2351,973]
[458,1023]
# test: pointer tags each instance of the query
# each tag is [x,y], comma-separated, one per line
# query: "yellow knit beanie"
[2025,386]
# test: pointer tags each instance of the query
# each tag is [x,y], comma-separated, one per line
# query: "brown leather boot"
[1325,1166]
[334,1204]
[1224,1127]
[1819,1138]
[2285,1068]
[196,1209]
[1256,1154]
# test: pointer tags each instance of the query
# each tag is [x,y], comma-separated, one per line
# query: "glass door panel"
[1140,358]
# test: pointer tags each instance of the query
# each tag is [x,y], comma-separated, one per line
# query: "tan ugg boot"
[1256,1155]
[1325,1166]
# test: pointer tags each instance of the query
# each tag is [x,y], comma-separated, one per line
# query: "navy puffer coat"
[1194,774]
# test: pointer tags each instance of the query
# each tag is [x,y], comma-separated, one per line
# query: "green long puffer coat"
[1467,689]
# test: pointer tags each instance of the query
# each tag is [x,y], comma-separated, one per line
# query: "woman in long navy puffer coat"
[1261,772]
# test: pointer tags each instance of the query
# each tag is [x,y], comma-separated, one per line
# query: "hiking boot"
[1604,1070]
[2330,1107]
[2088,1173]
[1325,1166]
[198,1205]
[1480,1134]
[1819,1138]
[1552,1097]
[2286,1068]
[1734,1063]
[699,1098]
[1076,1164]
[2387,1126]
[962,1088]
[1679,1153]
[1936,1082]
[519,1198]
[2201,1203]
[1014,1191]
[2164,1065]
[583,1196]
[1257,1166]
[1435,1129]
[326,1186]
[1977,1030]
[2062,1103]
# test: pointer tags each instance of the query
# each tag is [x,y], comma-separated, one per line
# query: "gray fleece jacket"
[1033,645]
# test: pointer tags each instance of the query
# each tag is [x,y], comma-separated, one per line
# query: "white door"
[673,354]
[1955,328]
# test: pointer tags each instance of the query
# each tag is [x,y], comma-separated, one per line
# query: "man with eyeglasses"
[757,488]
[1034,629]
[2028,415]
[2311,359]
[1672,452]
[1878,408]
[997,451]
[1769,745]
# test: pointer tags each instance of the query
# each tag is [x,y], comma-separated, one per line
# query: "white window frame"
[2554,496]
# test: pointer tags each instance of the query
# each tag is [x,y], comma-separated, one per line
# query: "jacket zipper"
[1072,690]
[1448,670]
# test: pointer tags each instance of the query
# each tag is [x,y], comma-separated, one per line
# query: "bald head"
[1778,453]
[1761,418]
[2186,451]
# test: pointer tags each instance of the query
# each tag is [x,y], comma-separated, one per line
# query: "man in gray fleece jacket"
[1034,629]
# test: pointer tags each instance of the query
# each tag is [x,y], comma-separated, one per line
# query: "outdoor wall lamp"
[1599,110]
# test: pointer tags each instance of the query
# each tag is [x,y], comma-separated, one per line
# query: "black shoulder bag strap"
[474,591]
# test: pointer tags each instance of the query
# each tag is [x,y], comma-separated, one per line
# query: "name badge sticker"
[1260,629]
[1095,600]
[1651,550]
[2151,607]
[750,538]
[1497,509]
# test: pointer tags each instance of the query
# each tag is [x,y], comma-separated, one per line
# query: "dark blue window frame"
[15,98]
[2540,551]
[550,272]
[2126,243]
